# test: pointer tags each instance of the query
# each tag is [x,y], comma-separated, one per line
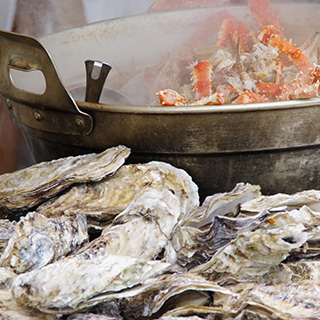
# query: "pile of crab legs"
[235,33]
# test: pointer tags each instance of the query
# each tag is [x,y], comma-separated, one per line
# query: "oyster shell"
[9,309]
[257,301]
[61,286]
[18,313]
[284,202]
[27,188]
[139,232]
[301,219]
[38,240]
[281,302]
[102,201]
[143,228]
[207,228]
[294,272]
[158,295]
[6,231]
[105,311]
[195,246]
[298,298]
[93,316]
[180,183]
[222,204]
[253,254]
[180,318]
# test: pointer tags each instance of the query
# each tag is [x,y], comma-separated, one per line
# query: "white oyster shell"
[283,301]
[27,188]
[6,230]
[222,204]
[68,282]
[38,240]
[9,308]
[143,228]
[139,232]
[207,228]
[252,254]
[93,316]
[282,202]
[180,318]
[157,295]
[102,201]
[247,256]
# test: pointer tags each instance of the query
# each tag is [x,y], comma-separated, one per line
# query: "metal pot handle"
[54,110]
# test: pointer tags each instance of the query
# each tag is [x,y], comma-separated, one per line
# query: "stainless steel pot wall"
[275,145]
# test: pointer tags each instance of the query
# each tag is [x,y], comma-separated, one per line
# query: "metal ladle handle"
[97,73]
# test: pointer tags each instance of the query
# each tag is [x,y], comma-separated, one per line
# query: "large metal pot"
[275,145]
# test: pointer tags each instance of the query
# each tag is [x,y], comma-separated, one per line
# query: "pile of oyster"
[90,237]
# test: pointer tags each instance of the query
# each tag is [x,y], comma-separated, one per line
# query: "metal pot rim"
[147,109]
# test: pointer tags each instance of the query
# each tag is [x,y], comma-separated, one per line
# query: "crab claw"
[305,91]
[216,98]
[168,97]
[250,97]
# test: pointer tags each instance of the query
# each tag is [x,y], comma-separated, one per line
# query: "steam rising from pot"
[143,50]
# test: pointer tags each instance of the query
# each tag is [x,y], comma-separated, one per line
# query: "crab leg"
[270,36]
[278,71]
[278,92]
[225,33]
[315,73]
[247,81]
[294,54]
[201,77]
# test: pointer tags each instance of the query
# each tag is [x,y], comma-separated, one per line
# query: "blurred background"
[38,18]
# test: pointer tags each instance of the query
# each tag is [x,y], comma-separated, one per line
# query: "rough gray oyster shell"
[125,247]
[106,311]
[284,202]
[9,309]
[93,316]
[294,301]
[303,219]
[63,285]
[252,254]
[158,295]
[38,240]
[196,246]
[221,204]
[180,318]
[102,201]
[250,251]
[214,224]
[27,188]
[6,230]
